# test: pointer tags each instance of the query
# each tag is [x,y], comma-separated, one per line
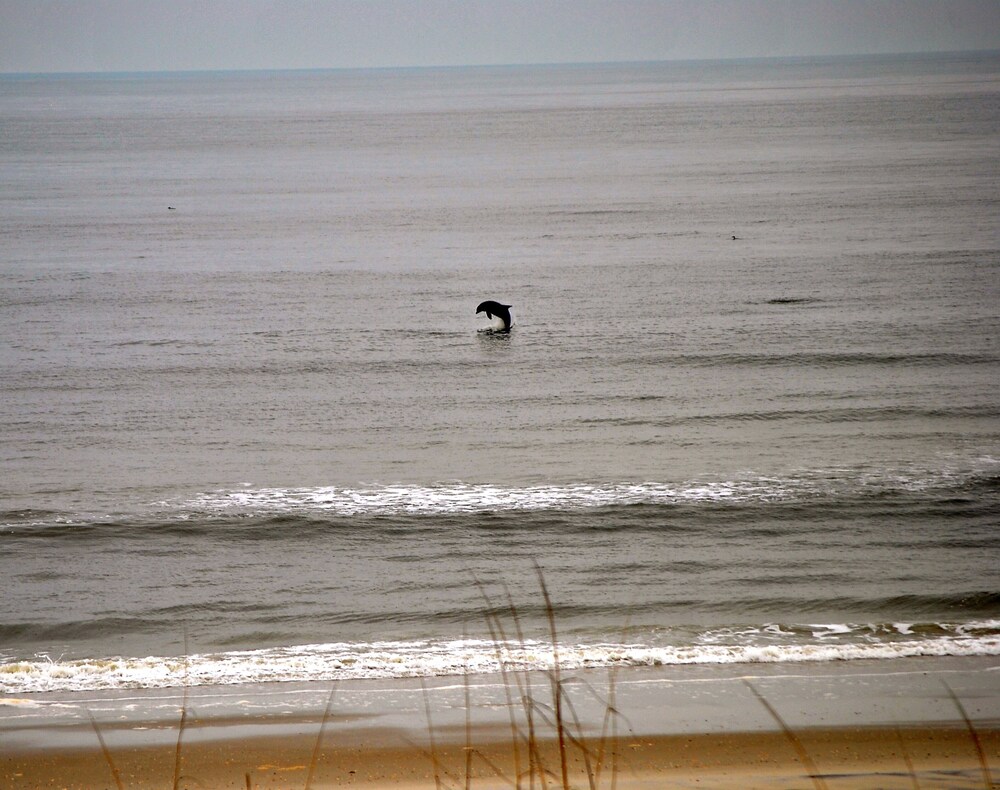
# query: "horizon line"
[511,65]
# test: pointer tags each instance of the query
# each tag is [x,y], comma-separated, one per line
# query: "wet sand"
[861,724]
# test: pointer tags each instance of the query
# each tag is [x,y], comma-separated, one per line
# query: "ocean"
[251,428]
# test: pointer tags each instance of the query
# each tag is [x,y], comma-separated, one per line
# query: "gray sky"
[141,35]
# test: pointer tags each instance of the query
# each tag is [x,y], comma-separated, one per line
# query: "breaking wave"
[476,498]
[370,660]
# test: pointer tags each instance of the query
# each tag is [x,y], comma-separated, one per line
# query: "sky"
[171,35]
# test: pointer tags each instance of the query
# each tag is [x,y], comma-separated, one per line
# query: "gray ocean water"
[248,414]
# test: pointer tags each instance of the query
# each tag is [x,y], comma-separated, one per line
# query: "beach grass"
[973,736]
[554,709]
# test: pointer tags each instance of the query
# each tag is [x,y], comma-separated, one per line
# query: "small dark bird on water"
[501,311]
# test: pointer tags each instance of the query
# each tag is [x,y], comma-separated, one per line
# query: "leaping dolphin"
[501,311]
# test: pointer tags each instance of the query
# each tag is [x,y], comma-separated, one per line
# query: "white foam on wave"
[453,498]
[827,630]
[342,661]
[461,497]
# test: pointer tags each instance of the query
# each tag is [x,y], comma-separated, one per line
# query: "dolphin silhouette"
[501,311]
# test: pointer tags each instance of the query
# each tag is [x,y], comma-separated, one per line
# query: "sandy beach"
[861,724]
[846,758]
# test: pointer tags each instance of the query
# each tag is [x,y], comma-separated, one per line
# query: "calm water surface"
[248,413]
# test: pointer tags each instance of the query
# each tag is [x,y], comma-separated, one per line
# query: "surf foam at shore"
[771,644]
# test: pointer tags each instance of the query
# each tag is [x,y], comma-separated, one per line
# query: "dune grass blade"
[804,757]
[319,737]
[613,709]
[906,759]
[609,729]
[180,738]
[430,735]
[555,679]
[105,751]
[468,718]
[983,764]
[576,738]
[611,715]
[527,701]
[499,638]
[183,721]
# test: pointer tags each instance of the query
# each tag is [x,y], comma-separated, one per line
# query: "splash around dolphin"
[501,311]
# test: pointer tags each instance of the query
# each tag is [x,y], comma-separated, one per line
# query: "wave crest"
[343,661]
[478,498]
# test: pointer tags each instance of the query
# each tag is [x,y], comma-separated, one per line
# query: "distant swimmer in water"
[501,311]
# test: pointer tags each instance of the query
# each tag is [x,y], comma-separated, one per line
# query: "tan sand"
[680,727]
[845,758]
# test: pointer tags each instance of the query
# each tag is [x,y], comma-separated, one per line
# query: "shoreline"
[679,726]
